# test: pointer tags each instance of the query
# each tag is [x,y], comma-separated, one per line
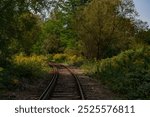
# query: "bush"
[23,70]
[33,66]
[59,57]
[5,79]
[66,58]
[75,60]
[89,67]
[128,73]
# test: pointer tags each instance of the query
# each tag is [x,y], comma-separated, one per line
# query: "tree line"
[95,29]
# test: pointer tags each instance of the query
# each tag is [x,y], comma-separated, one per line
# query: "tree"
[106,27]
[144,36]
[7,22]
[10,11]
[59,28]
[28,28]
[51,36]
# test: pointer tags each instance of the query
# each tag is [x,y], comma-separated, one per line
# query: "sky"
[143,8]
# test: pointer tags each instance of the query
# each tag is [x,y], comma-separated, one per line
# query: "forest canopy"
[95,28]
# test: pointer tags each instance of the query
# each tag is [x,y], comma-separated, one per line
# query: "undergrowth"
[67,58]
[127,74]
[23,70]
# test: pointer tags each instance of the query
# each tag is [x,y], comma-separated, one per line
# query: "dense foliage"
[23,69]
[75,32]
[127,73]
[67,59]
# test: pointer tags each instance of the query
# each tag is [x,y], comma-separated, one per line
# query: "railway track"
[64,85]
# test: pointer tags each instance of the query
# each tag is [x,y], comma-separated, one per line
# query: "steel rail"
[50,88]
[78,83]
[51,85]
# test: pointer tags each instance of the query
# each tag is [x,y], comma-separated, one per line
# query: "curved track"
[64,85]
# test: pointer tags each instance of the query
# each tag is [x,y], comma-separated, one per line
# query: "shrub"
[75,60]
[70,59]
[22,71]
[59,57]
[50,57]
[89,67]
[32,66]
[6,79]
[128,73]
